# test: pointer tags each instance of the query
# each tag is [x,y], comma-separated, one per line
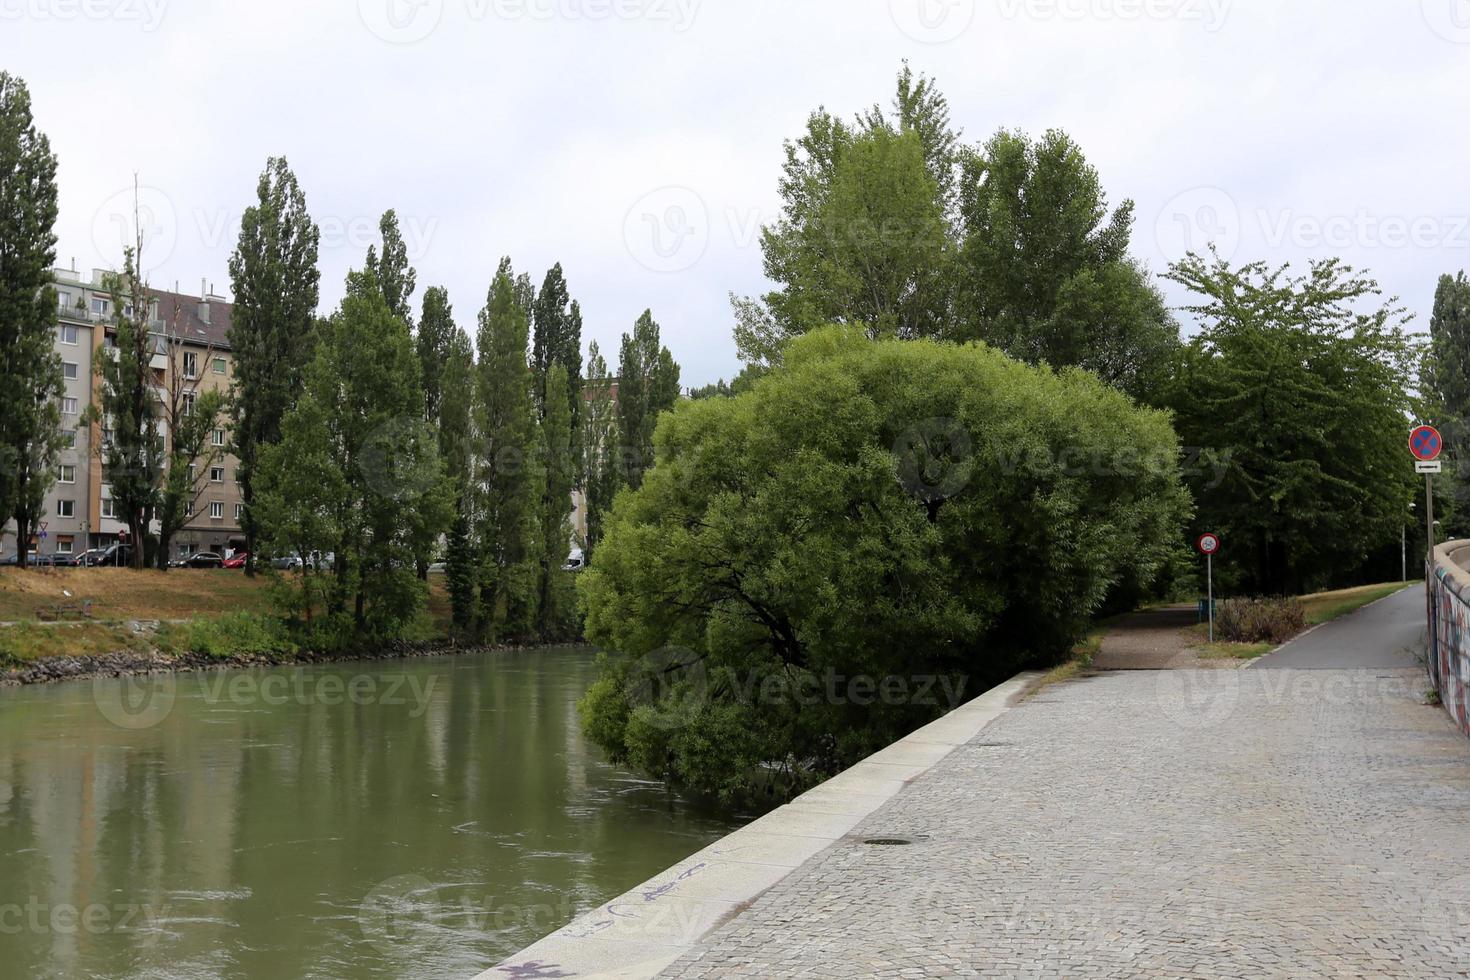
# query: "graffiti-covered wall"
[1449,617]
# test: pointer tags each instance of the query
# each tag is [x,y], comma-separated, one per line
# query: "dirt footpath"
[1155,639]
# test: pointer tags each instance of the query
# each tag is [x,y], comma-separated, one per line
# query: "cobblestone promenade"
[1164,824]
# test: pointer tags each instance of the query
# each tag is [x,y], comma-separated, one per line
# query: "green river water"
[393,819]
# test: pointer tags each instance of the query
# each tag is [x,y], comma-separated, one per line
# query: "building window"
[217,475]
[218,439]
[68,334]
[219,365]
[217,510]
[106,438]
[66,508]
[185,550]
[63,301]
[63,546]
[193,472]
[239,512]
[66,473]
[189,509]
[188,403]
[68,406]
[191,365]
[109,509]
[99,306]
[68,370]
[69,439]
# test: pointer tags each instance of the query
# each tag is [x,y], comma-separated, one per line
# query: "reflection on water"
[367,820]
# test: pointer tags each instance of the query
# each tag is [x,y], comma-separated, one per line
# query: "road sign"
[1426,444]
[1430,469]
[1209,544]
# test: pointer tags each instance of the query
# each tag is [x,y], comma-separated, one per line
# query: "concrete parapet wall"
[1449,629]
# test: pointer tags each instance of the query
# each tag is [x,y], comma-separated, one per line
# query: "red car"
[237,562]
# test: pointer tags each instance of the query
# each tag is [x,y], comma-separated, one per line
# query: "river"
[389,819]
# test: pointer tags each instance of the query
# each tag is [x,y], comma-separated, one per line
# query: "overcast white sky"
[638,142]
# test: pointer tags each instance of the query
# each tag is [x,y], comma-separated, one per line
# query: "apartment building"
[191,354]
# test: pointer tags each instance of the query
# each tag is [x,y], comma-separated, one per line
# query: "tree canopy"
[878,510]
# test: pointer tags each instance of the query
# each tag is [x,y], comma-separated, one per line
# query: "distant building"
[79,512]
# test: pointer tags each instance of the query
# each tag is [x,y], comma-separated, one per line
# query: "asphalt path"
[1389,633]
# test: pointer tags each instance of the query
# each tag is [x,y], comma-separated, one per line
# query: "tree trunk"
[23,540]
[165,544]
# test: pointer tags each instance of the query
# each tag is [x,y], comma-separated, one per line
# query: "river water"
[394,819]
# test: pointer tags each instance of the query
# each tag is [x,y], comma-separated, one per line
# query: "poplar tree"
[648,384]
[599,446]
[436,334]
[559,479]
[30,371]
[133,453]
[507,430]
[276,285]
[395,277]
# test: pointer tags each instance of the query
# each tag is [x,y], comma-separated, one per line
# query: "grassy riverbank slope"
[141,612]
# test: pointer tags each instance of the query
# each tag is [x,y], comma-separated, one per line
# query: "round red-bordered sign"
[1426,443]
[1209,544]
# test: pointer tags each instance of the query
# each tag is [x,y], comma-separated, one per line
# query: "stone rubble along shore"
[55,669]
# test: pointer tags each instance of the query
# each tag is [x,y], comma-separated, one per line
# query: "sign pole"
[1210,574]
[1429,497]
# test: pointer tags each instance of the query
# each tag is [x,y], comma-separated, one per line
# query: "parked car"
[89,558]
[116,556]
[66,560]
[237,560]
[201,559]
[14,560]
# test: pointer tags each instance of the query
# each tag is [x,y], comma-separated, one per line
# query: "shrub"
[930,515]
[236,635]
[1260,620]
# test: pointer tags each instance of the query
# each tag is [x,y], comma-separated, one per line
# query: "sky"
[639,142]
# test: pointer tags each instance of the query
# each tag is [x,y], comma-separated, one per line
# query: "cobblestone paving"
[1159,824]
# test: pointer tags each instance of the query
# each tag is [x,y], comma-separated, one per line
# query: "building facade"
[190,336]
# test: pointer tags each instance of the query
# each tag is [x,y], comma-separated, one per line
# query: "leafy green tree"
[599,446]
[858,516]
[395,277]
[30,371]
[560,478]
[436,336]
[303,500]
[457,449]
[648,384]
[557,339]
[1296,389]
[507,479]
[276,286]
[1446,383]
[364,389]
[865,234]
[1046,272]
[134,456]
